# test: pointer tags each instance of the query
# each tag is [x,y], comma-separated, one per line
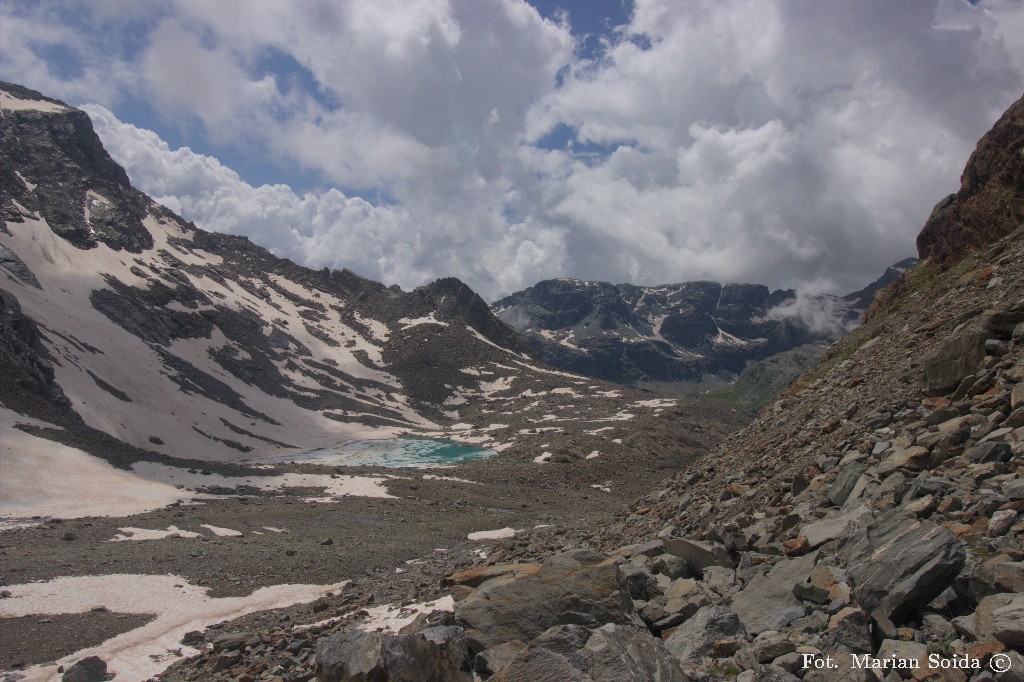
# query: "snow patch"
[390,619]
[221,532]
[147,650]
[499,534]
[129,533]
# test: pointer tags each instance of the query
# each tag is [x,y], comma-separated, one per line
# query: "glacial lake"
[386,452]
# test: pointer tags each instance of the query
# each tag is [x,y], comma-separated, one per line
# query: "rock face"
[672,332]
[990,202]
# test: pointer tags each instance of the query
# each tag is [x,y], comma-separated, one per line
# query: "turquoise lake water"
[387,452]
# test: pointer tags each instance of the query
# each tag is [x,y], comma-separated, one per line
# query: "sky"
[795,143]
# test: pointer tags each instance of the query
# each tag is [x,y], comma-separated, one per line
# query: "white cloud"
[749,140]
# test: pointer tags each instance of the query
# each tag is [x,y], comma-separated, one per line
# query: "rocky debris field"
[874,516]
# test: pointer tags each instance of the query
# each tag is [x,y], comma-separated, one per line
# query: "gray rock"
[898,649]
[649,549]
[990,452]
[897,563]
[1000,522]
[848,630]
[1000,617]
[1014,488]
[766,648]
[954,361]
[438,654]
[719,579]
[494,660]
[698,555]
[834,527]
[607,654]
[767,602]
[579,588]
[844,483]
[670,565]
[696,637]
[91,669]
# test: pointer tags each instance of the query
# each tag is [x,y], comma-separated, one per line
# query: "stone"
[672,566]
[578,587]
[765,648]
[1017,396]
[897,563]
[91,669]
[990,452]
[834,527]
[719,579]
[899,649]
[697,636]
[1000,617]
[767,601]
[954,361]
[913,458]
[844,483]
[229,641]
[811,593]
[1000,522]
[848,630]
[492,661]
[637,576]
[649,549]
[572,653]
[438,654]
[1014,489]
[474,577]
[698,555]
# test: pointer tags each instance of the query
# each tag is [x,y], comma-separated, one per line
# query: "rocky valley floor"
[297,553]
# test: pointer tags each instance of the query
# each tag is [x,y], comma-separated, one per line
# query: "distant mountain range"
[688,332]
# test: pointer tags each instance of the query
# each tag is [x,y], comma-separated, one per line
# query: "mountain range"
[176,406]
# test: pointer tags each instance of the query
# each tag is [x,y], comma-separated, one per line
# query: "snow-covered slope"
[687,332]
[175,341]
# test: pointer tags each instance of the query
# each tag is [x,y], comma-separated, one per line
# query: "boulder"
[697,636]
[898,563]
[611,653]
[1000,617]
[91,669]
[954,361]
[579,588]
[438,654]
[834,527]
[698,555]
[495,659]
[767,602]
[844,483]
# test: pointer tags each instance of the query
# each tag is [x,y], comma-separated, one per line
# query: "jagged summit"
[688,332]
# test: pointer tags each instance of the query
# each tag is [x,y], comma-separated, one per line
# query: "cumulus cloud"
[772,141]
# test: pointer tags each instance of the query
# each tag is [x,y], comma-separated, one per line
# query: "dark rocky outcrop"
[990,202]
